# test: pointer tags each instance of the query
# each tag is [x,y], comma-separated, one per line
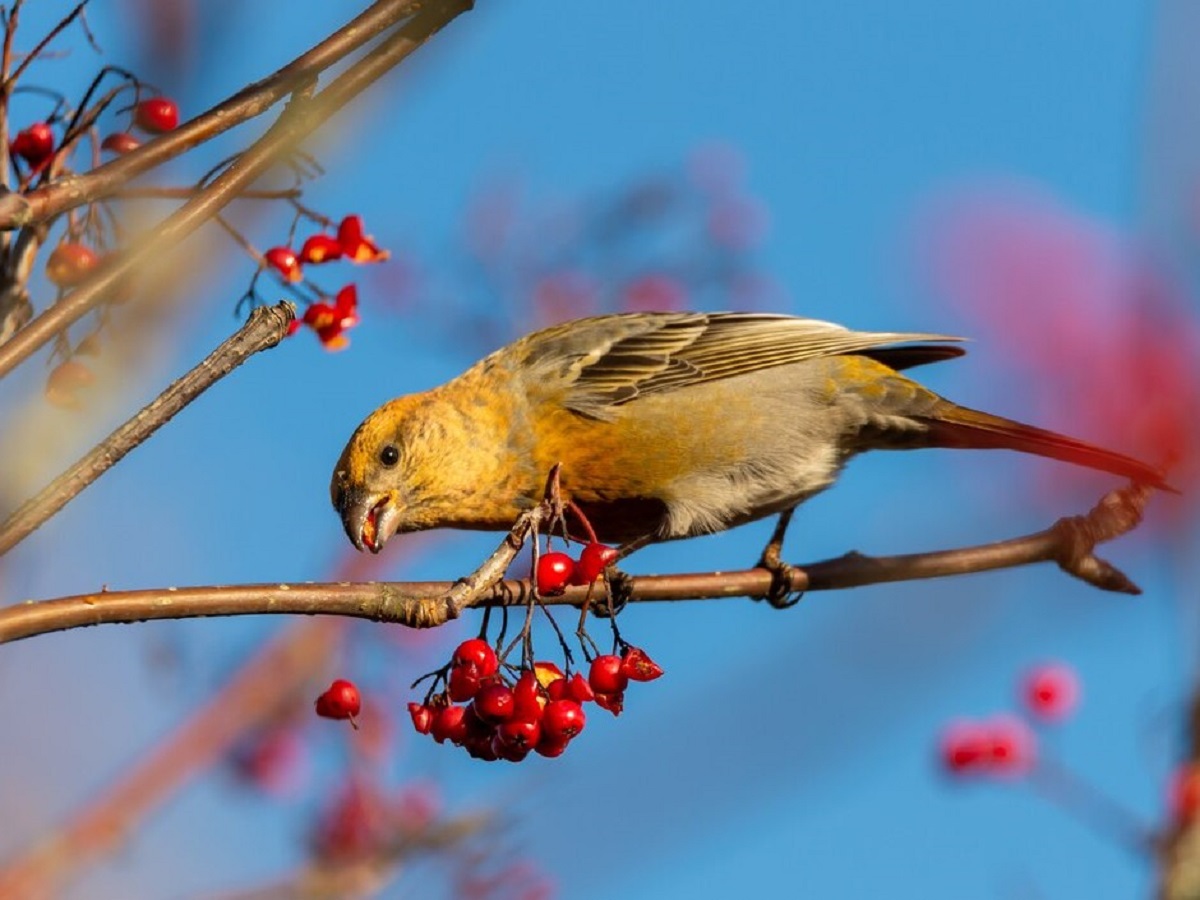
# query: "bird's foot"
[780,594]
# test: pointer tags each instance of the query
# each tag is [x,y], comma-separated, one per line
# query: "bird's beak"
[369,519]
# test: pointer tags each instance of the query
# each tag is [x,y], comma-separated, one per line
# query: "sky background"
[784,753]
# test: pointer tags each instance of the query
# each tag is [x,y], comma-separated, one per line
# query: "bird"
[667,425]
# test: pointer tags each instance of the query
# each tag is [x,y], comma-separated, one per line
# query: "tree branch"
[265,328]
[1069,542]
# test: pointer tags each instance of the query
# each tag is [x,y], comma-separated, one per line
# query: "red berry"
[521,733]
[527,697]
[554,572]
[464,683]
[504,750]
[69,263]
[120,142]
[550,748]
[562,720]
[357,246]
[593,560]
[1012,746]
[481,746]
[1051,691]
[34,144]
[340,701]
[320,248]
[156,115]
[1183,793]
[965,746]
[284,261]
[637,666]
[494,703]
[450,724]
[614,703]
[422,717]
[579,690]
[479,653]
[607,676]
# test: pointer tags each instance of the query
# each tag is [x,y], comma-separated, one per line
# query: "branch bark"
[1069,542]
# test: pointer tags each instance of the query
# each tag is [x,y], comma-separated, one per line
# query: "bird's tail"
[956,426]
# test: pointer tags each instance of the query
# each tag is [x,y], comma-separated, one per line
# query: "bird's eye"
[389,455]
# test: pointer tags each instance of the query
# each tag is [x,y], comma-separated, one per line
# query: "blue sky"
[784,753]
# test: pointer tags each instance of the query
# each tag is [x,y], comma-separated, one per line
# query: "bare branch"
[265,328]
[1069,542]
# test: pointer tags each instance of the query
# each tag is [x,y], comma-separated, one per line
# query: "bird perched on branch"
[667,425]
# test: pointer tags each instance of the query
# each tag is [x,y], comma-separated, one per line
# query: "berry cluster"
[328,321]
[1006,744]
[541,711]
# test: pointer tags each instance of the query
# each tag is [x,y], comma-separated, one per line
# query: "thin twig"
[265,328]
[430,604]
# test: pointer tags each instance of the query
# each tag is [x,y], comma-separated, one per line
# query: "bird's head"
[376,484]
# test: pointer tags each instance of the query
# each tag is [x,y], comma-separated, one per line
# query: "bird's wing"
[606,361]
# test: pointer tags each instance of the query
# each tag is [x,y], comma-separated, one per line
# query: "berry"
[464,683]
[521,733]
[1011,748]
[494,703]
[554,571]
[504,750]
[562,720]
[34,144]
[607,676]
[356,246]
[120,142]
[69,263]
[479,653]
[550,748]
[65,382]
[1051,691]
[614,703]
[1183,797]
[527,697]
[579,689]
[637,666]
[320,248]
[422,717]
[341,700]
[965,746]
[284,261]
[450,724]
[593,560]
[156,115]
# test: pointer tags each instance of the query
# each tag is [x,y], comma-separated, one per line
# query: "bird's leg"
[780,595]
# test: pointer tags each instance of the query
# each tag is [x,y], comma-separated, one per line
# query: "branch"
[1069,542]
[265,328]
[297,122]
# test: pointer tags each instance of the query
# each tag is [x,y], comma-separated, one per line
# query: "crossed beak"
[369,519]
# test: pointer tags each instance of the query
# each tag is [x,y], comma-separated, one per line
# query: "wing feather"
[611,360]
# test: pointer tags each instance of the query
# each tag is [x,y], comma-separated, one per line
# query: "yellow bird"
[667,425]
